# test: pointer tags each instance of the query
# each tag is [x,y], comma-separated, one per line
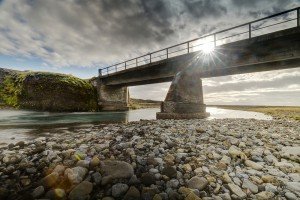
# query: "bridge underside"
[274,51]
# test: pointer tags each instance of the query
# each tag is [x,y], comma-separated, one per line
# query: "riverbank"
[277,112]
[182,159]
[45,91]
[141,103]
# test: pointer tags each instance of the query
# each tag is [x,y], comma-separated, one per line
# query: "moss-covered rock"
[47,91]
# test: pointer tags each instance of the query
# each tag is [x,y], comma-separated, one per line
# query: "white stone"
[253,165]
[293,186]
[249,185]
[237,190]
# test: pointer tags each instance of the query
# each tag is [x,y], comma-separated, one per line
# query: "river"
[17,125]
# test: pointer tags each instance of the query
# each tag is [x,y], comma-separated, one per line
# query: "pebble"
[132,193]
[293,186]
[265,195]
[81,191]
[119,189]
[148,179]
[76,174]
[50,180]
[56,194]
[237,190]
[38,192]
[198,183]
[249,185]
[163,159]
[115,170]
[170,172]
[253,165]
[290,196]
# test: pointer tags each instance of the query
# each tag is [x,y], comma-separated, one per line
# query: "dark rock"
[132,194]
[4,193]
[148,179]
[81,191]
[149,193]
[21,144]
[38,192]
[96,177]
[119,189]
[170,172]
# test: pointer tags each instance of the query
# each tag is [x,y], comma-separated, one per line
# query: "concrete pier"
[184,99]
[112,98]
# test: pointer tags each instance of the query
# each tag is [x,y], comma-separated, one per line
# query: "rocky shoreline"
[159,159]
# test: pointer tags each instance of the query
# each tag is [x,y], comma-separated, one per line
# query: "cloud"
[96,33]
[281,87]
[100,32]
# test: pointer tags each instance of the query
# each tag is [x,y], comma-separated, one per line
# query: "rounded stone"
[56,194]
[132,194]
[169,171]
[197,183]
[119,189]
[50,180]
[81,191]
[148,179]
[37,192]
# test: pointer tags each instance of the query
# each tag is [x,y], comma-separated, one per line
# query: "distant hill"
[143,103]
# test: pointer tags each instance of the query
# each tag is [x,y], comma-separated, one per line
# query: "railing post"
[188,47]
[150,57]
[167,53]
[298,17]
[125,64]
[116,68]
[107,70]
[249,30]
[215,40]
[136,63]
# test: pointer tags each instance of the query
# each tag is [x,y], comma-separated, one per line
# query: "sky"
[77,37]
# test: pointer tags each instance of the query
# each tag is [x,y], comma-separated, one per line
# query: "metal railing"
[190,46]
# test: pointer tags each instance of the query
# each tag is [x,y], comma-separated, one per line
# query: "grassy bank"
[46,91]
[278,112]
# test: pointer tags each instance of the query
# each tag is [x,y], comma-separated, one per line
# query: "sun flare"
[207,48]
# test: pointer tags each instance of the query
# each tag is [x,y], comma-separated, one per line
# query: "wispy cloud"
[95,33]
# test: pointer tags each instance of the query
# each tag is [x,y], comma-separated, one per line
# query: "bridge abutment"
[112,98]
[184,99]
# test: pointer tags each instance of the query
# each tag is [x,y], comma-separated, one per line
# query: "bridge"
[269,43]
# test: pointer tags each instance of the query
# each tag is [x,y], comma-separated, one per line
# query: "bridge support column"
[184,99]
[112,98]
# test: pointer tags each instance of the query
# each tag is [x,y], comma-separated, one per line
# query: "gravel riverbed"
[159,159]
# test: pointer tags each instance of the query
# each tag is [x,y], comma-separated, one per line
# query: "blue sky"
[77,37]
[37,64]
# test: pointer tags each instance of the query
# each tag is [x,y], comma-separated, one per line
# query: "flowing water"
[17,125]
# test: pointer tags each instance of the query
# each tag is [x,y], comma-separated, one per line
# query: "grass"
[140,103]
[43,89]
[277,112]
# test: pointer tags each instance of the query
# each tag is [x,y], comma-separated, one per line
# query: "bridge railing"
[283,20]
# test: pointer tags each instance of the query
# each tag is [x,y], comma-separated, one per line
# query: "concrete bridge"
[185,64]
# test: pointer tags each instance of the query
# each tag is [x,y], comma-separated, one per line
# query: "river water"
[17,125]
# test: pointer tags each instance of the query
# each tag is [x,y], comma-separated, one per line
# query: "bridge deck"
[279,50]
[252,51]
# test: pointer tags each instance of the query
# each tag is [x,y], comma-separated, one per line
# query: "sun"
[207,48]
